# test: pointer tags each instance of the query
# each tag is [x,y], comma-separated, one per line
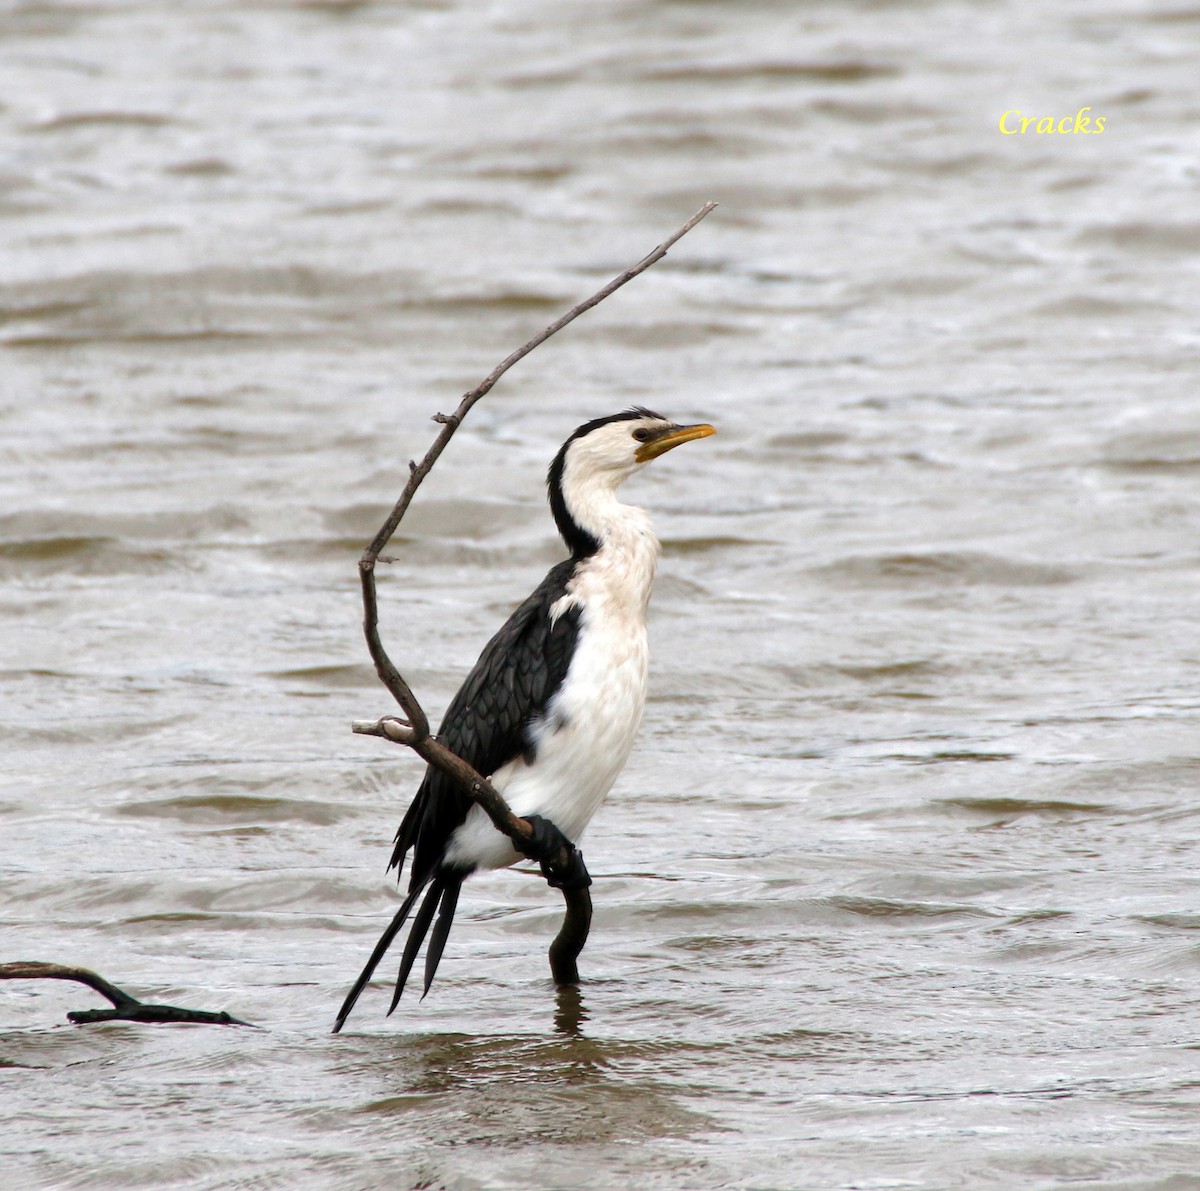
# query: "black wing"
[486,723]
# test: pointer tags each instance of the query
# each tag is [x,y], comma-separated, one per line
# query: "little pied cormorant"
[551,709]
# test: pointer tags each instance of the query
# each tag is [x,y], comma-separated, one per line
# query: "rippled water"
[900,886]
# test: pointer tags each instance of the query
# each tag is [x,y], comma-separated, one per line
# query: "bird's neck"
[616,538]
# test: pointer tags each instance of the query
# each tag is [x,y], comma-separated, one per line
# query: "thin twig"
[450,423]
[414,730]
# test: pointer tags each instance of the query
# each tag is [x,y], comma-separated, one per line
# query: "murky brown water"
[900,887]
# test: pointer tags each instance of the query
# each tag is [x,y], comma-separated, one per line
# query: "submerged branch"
[125,1007]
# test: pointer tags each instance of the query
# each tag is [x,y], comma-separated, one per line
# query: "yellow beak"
[672,438]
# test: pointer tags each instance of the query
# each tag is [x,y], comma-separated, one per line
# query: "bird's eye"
[641,434]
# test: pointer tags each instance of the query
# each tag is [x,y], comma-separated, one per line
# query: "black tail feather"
[441,931]
[385,941]
[416,936]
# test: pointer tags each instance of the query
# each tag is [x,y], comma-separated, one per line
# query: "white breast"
[590,725]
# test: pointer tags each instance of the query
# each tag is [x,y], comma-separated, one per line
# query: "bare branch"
[413,731]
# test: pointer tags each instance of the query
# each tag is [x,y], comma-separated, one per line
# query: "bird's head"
[621,443]
[603,453]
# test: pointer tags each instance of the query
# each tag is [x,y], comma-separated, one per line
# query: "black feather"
[441,931]
[385,941]
[416,936]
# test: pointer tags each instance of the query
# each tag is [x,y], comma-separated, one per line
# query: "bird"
[550,711]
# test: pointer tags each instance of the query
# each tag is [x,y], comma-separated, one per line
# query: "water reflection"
[569,1011]
[579,1090]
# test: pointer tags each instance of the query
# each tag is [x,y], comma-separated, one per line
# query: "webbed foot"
[546,846]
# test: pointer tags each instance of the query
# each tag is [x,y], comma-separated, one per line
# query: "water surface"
[899,888]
